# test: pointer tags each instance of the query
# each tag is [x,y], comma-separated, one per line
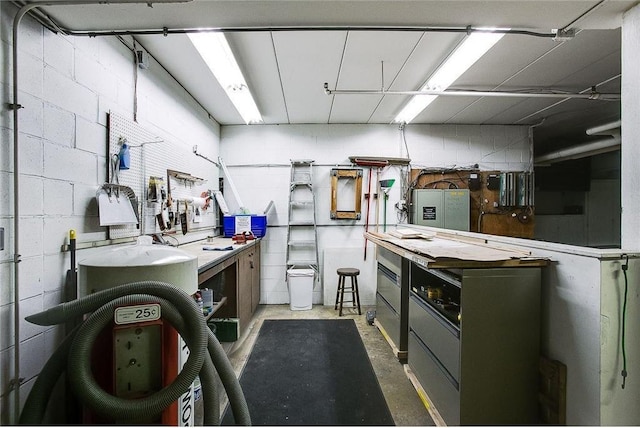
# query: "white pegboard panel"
[153,156]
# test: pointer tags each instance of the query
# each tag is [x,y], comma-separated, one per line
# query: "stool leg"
[353,293]
[342,281]
[337,292]
[357,293]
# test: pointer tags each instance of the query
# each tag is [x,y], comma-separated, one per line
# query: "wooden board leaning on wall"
[518,222]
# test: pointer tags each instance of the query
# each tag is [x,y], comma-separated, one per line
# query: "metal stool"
[343,273]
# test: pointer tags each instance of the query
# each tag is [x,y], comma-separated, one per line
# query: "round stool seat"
[348,271]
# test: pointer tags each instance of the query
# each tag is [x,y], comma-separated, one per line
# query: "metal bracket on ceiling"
[594,94]
[564,35]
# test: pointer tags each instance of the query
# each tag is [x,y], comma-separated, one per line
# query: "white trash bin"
[300,284]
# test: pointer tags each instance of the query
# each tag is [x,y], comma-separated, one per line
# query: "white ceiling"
[286,70]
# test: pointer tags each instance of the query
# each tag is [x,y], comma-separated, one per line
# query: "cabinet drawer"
[442,338]
[388,287]
[439,386]
[390,260]
[389,319]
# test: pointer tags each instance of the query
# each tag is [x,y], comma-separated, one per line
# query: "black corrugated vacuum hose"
[179,309]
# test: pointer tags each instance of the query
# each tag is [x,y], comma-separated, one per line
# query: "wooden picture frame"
[346,174]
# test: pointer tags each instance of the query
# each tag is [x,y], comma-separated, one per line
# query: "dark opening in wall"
[572,175]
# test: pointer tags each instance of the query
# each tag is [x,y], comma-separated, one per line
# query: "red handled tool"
[371,164]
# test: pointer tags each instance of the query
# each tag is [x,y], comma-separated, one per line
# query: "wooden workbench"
[465,317]
[233,275]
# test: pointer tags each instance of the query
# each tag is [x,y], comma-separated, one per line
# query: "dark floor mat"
[311,372]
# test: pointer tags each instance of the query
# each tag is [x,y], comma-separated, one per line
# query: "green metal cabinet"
[480,368]
[392,299]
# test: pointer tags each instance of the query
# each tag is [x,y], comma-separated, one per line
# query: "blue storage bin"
[233,224]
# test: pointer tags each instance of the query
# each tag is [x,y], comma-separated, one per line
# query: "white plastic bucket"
[300,284]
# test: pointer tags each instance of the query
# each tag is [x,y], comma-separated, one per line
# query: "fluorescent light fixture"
[216,53]
[463,57]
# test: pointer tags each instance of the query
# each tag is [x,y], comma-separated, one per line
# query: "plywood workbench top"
[441,251]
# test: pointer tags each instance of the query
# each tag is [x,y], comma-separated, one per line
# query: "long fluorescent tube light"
[463,57]
[216,53]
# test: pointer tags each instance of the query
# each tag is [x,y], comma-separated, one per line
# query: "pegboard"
[153,156]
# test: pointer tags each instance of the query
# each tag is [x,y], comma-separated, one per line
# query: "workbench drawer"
[390,260]
[434,330]
[442,389]
[388,287]
[389,319]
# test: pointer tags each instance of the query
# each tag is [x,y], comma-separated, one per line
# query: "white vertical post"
[236,195]
[630,151]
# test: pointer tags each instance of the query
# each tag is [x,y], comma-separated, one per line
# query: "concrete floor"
[403,401]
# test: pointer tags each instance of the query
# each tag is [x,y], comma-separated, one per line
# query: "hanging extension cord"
[625,268]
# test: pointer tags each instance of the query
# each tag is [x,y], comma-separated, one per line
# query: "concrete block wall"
[598,226]
[67,86]
[258,159]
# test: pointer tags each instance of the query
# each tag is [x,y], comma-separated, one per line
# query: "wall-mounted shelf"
[368,160]
[185,176]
